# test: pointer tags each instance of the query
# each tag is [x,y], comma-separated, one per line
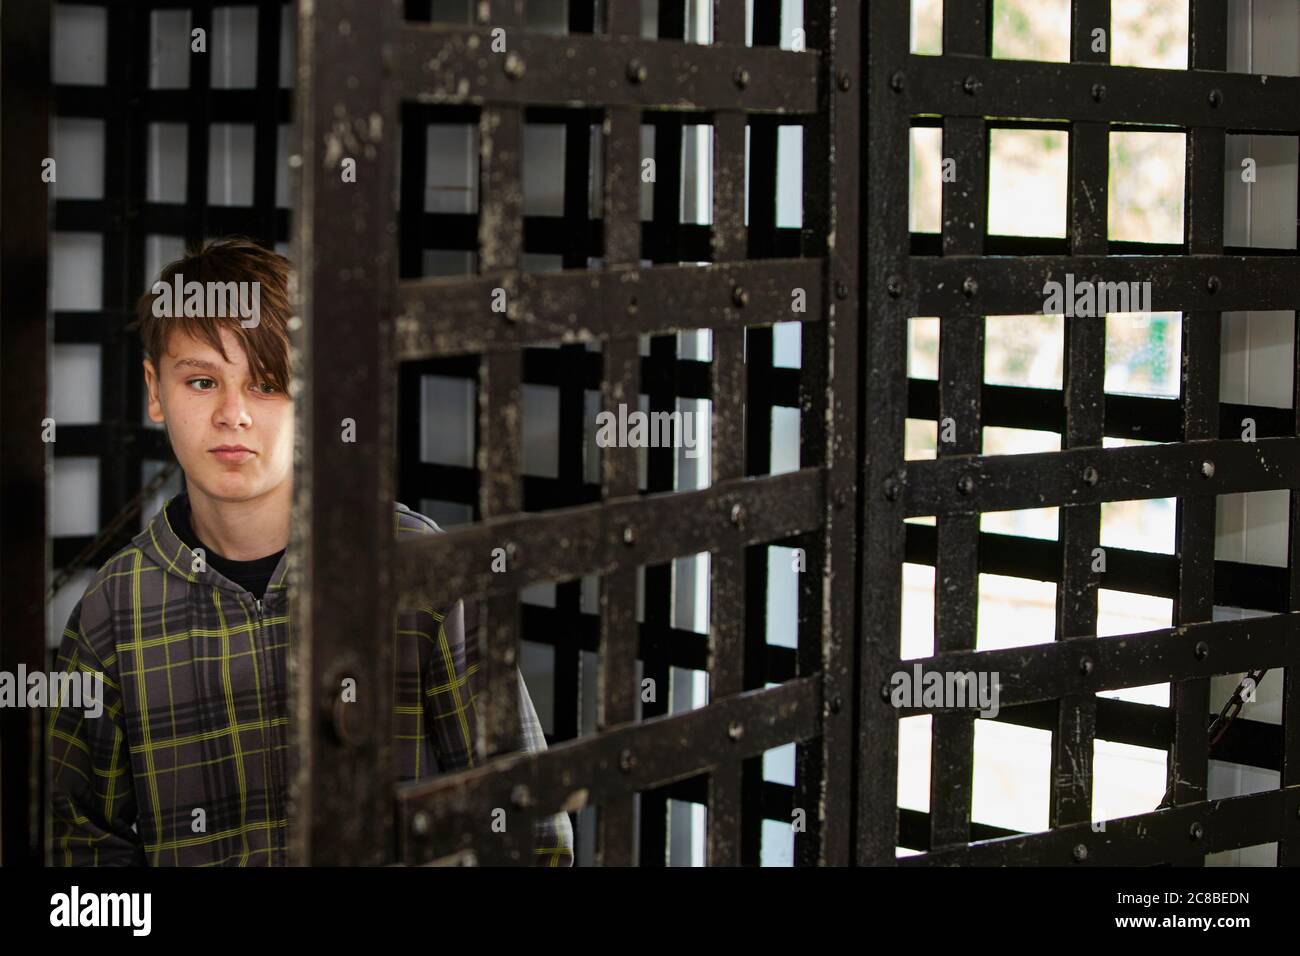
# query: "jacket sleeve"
[91,793]
[451,691]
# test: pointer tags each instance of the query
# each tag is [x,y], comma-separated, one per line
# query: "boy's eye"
[196,380]
[267,388]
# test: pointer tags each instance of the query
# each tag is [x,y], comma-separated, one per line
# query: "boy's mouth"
[232,453]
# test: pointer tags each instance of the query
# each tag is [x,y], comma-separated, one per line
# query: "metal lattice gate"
[364,67]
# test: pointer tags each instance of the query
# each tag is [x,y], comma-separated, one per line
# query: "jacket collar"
[160,543]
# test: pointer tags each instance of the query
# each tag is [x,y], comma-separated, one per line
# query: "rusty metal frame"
[968,275]
[360,314]
[854,397]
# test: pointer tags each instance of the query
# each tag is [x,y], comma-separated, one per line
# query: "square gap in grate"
[1149,33]
[1031,30]
[1260,202]
[1146,191]
[1028,182]
[1143,348]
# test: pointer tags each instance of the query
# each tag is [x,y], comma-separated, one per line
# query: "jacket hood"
[160,543]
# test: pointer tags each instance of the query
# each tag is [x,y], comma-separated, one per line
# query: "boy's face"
[210,405]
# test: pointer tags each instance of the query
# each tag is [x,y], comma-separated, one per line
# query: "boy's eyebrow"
[196,363]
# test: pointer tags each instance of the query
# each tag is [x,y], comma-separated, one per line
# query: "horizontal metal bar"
[619,761]
[969,484]
[1085,665]
[1171,835]
[448,316]
[976,86]
[444,63]
[596,539]
[1014,286]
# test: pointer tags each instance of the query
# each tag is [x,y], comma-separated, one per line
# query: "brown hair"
[232,259]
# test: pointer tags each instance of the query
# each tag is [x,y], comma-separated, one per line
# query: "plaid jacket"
[195,713]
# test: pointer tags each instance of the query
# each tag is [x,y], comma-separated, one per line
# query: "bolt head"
[1207,469]
[846,81]
[971,85]
[735,730]
[969,286]
[1085,667]
[741,76]
[965,484]
[1098,92]
[896,81]
[1212,284]
[1090,475]
[894,286]
[636,72]
[1196,831]
[1080,852]
[629,535]
[740,297]
[1202,650]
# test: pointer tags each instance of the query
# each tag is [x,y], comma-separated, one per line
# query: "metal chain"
[1219,726]
[131,509]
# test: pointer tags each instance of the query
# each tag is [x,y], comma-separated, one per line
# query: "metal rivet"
[837,703]
[741,76]
[1098,91]
[846,81]
[629,535]
[1090,475]
[1212,284]
[1196,831]
[737,514]
[841,290]
[965,484]
[514,66]
[626,760]
[1085,666]
[894,286]
[1202,650]
[1215,97]
[520,797]
[971,85]
[420,823]
[1207,469]
[739,297]
[885,692]
[1080,852]
[891,489]
[735,730]
[969,287]
[636,71]
[508,655]
[896,81]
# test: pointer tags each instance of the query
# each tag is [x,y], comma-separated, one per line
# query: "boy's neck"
[243,530]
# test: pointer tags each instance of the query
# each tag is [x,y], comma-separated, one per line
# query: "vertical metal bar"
[620,384]
[25,93]
[500,240]
[829,408]
[961,377]
[727,565]
[342,782]
[889,305]
[1079,526]
[1203,218]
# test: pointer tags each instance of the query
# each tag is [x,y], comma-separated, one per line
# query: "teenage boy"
[188,764]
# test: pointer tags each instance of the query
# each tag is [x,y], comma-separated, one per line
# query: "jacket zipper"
[271,762]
